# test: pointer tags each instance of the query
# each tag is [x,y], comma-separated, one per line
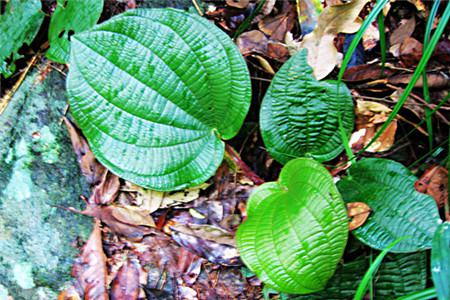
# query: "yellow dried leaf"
[358,212]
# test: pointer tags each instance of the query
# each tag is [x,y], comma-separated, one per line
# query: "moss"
[39,171]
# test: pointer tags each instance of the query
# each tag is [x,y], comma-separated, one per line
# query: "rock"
[38,170]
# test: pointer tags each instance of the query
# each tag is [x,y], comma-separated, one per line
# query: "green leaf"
[401,274]
[19,24]
[300,115]
[154,91]
[398,210]
[296,231]
[70,17]
[440,261]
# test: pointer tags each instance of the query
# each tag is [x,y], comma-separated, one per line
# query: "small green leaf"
[440,261]
[300,115]
[398,210]
[70,17]
[296,229]
[154,91]
[19,24]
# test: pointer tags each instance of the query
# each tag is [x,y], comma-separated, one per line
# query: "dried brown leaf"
[410,52]
[358,212]
[126,284]
[401,33]
[253,41]
[434,182]
[276,27]
[107,190]
[238,3]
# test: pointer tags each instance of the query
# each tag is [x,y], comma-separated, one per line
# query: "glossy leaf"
[440,261]
[296,229]
[398,210]
[155,92]
[70,17]
[19,24]
[300,115]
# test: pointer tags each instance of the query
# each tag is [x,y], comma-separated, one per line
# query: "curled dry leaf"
[365,72]
[90,167]
[107,190]
[126,284]
[89,268]
[322,54]
[129,221]
[253,41]
[238,3]
[434,182]
[358,212]
[370,116]
[410,52]
[401,33]
[276,27]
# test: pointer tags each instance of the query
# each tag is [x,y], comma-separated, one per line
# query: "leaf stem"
[234,156]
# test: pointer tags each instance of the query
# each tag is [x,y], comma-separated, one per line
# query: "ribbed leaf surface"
[440,261]
[401,274]
[398,210]
[300,115]
[19,24]
[153,91]
[296,231]
[70,17]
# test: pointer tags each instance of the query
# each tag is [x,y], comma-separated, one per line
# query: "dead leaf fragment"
[434,182]
[410,52]
[89,268]
[276,27]
[253,41]
[358,212]
[126,284]
[401,33]
[370,116]
[322,54]
[238,3]
[107,190]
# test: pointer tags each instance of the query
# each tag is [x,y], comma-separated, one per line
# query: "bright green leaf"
[296,231]
[398,210]
[155,92]
[70,17]
[19,24]
[300,115]
[440,261]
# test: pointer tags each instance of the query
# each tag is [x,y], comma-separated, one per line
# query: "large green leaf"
[296,229]
[300,115]
[398,210]
[440,261]
[19,24]
[155,92]
[70,17]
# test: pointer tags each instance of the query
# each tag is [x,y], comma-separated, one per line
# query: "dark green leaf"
[70,17]
[154,91]
[398,210]
[300,115]
[19,24]
[440,261]
[296,229]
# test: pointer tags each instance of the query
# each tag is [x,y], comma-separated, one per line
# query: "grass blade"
[358,36]
[426,294]
[364,284]
[249,19]
[417,73]
[382,31]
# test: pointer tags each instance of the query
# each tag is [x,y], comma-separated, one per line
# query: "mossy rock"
[38,170]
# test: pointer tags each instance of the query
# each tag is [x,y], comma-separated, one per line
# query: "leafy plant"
[296,229]
[19,24]
[70,17]
[156,92]
[300,115]
[440,261]
[398,210]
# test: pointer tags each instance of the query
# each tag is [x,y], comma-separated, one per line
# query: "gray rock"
[38,170]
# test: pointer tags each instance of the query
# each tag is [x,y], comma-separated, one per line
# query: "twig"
[197,7]
[234,156]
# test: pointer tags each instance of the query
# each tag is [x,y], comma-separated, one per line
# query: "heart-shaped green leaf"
[296,229]
[300,115]
[440,261]
[154,91]
[70,17]
[19,24]
[398,210]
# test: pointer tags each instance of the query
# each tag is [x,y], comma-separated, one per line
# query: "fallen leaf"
[410,52]
[276,27]
[322,54]
[90,167]
[434,182]
[253,41]
[411,104]
[277,51]
[371,37]
[370,116]
[107,190]
[435,80]
[89,269]
[238,3]
[442,51]
[69,294]
[207,232]
[401,33]
[125,285]
[358,212]
[266,10]
[365,72]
